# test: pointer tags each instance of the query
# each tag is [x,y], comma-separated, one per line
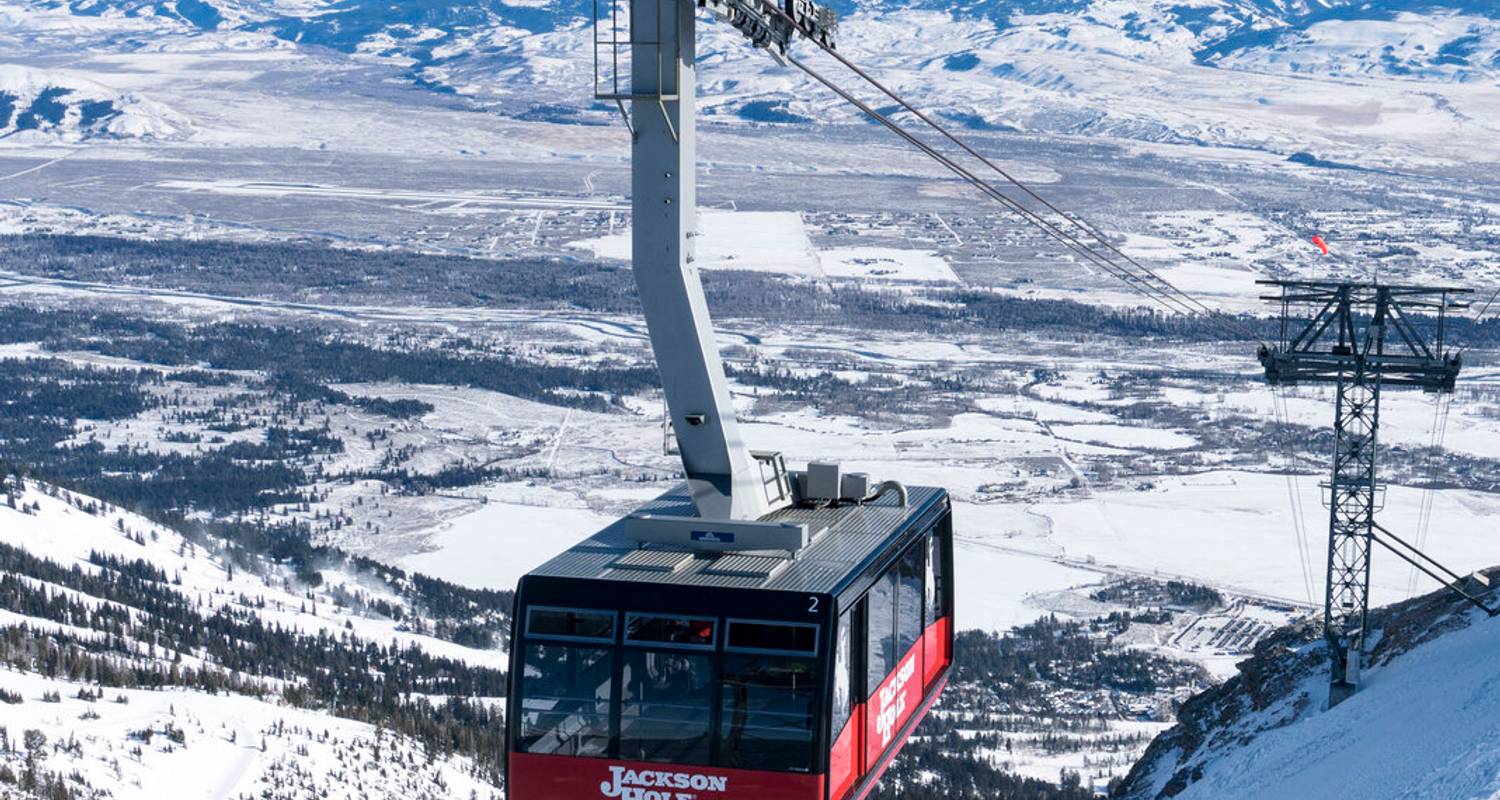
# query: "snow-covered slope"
[1425,724]
[134,743]
[62,529]
[97,695]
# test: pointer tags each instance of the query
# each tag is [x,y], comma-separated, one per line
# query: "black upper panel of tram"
[852,536]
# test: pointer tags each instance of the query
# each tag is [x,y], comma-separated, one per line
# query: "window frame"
[918,550]
[614,626]
[712,646]
[887,626]
[931,600]
[817,627]
[845,640]
[940,569]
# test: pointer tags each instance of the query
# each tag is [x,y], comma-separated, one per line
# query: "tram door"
[846,760]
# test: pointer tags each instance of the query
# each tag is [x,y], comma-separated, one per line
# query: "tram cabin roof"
[846,537]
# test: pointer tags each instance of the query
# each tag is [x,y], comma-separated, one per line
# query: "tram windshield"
[767,717]
[666,689]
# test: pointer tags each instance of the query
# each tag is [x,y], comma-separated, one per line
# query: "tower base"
[1339,691]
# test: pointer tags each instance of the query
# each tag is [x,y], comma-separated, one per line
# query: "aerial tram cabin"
[652,672]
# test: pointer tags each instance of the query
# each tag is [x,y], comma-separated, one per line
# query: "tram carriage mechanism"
[754,633]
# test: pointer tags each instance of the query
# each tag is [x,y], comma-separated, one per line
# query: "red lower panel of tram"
[936,648]
[892,705]
[567,778]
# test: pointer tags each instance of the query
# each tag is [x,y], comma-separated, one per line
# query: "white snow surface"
[886,264]
[62,533]
[1426,726]
[778,242]
[1234,529]
[234,746]
[758,241]
[497,544]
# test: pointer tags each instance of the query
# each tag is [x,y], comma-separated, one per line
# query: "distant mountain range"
[1329,76]
[1210,32]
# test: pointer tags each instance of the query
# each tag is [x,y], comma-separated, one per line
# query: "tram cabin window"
[912,571]
[880,652]
[669,631]
[570,623]
[896,613]
[666,704]
[773,637]
[934,579]
[666,695]
[843,675]
[768,697]
[566,690]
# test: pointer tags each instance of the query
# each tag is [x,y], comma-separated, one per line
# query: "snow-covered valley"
[337,293]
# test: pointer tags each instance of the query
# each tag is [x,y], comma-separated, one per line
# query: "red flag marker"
[1322,245]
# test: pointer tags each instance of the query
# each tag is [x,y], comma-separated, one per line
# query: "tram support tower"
[1359,338]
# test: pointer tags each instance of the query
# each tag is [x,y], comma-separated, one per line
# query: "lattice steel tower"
[1361,339]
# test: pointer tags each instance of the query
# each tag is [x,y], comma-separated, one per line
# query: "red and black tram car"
[651,674]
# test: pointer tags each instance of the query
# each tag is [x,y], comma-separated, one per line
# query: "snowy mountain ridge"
[1439,40]
[1423,725]
[1208,30]
[1319,75]
[44,106]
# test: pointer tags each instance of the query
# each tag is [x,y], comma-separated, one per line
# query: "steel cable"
[1439,436]
[1145,275]
[1140,285]
[1153,287]
[1282,411]
[1479,319]
[1077,221]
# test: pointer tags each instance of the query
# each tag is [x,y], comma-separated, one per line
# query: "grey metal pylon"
[1352,505]
[1359,339]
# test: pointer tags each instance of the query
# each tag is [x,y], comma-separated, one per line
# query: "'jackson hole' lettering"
[893,701]
[655,784]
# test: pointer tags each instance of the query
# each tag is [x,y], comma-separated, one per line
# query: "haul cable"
[1163,296]
[1142,275]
